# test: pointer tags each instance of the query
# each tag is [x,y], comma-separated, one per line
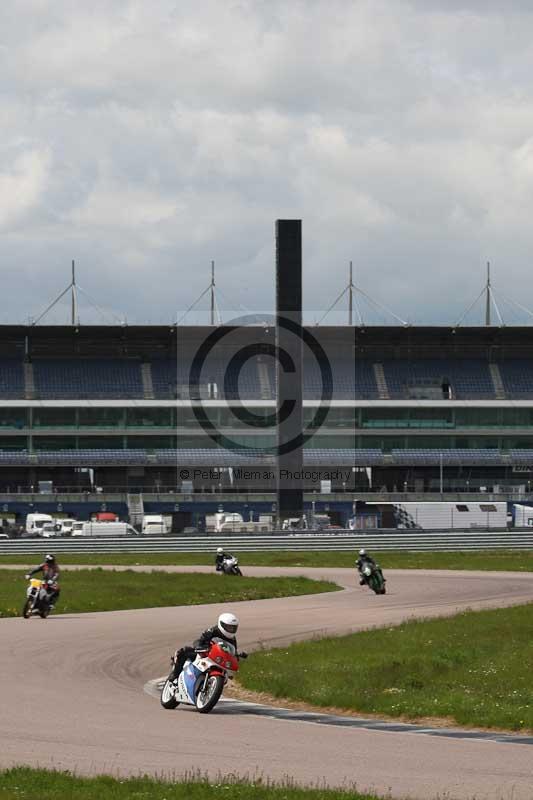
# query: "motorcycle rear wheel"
[168,697]
[26,609]
[43,613]
[208,697]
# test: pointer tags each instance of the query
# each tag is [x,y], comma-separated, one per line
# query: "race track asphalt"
[71,694]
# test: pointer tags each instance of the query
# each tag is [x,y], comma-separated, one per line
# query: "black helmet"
[49,558]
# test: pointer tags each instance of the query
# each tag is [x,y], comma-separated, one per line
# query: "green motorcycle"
[373,577]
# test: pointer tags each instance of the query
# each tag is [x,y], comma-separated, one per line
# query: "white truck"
[103,529]
[36,522]
[155,524]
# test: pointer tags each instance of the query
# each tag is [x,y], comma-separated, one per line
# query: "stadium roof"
[376,342]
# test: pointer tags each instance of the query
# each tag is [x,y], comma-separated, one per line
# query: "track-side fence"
[380,541]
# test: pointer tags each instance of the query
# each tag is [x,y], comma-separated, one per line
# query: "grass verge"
[473,669]
[109,590]
[512,560]
[23,782]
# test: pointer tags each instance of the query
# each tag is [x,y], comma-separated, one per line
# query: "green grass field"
[22,782]
[108,590]
[474,669]
[514,560]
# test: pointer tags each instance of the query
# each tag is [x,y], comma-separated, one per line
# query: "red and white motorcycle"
[201,682]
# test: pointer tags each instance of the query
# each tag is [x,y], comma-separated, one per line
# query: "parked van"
[103,529]
[65,526]
[154,524]
[36,522]
[50,530]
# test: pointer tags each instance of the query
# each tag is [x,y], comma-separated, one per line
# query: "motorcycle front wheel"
[209,695]
[168,695]
[26,609]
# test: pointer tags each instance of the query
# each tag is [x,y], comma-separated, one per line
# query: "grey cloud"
[145,140]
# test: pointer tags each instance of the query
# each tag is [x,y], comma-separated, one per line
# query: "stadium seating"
[81,378]
[351,379]
[122,378]
[468,378]
[521,458]
[11,378]
[517,378]
[207,457]
[171,379]
[188,456]
[164,378]
[458,457]
[70,378]
[14,457]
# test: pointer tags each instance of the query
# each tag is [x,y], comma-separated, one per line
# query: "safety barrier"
[375,540]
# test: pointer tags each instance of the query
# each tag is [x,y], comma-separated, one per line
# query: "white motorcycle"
[201,682]
[38,597]
[230,566]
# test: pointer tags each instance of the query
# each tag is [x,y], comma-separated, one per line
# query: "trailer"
[522,516]
[443,515]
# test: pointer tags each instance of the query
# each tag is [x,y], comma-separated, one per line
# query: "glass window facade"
[16,418]
[100,442]
[54,417]
[102,417]
[386,428]
[151,442]
[54,443]
[13,443]
[150,417]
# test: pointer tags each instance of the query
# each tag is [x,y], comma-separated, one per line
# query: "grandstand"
[110,410]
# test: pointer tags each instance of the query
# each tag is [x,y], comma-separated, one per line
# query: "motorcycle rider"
[50,570]
[225,629]
[365,558]
[219,559]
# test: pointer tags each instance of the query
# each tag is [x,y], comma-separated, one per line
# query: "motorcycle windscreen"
[190,674]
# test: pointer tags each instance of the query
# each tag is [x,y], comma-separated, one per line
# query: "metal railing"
[376,540]
[404,490]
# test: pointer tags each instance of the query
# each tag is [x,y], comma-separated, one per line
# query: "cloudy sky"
[144,139]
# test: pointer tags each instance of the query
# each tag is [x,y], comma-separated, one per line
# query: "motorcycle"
[38,597]
[230,566]
[201,682]
[373,577]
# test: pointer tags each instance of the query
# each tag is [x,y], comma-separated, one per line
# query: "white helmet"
[228,624]
[219,551]
[362,552]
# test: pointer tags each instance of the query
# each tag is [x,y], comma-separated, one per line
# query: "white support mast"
[75,320]
[490,302]
[352,290]
[74,288]
[214,309]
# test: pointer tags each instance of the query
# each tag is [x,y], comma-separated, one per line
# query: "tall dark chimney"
[289,369]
